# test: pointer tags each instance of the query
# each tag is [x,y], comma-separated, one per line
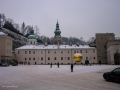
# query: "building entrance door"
[117,58]
[28,63]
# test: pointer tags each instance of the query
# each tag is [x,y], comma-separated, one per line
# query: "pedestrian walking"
[100,62]
[72,67]
[51,65]
[58,64]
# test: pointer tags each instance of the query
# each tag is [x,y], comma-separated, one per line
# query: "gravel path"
[42,77]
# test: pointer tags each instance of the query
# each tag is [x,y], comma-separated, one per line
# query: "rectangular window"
[86,58]
[93,57]
[29,52]
[29,58]
[68,58]
[25,58]
[33,58]
[77,51]
[55,51]
[80,51]
[54,58]
[74,51]
[61,58]
[48,58]
[41,52]
[33,52]
[25,52]
[41,58]
[86,51]
[93,51]
[68,51]
[18,52]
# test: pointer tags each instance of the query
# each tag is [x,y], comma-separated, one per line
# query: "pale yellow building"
[5,47]
[41,54]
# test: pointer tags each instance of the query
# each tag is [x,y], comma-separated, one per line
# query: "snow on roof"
[1,33]
[55,47]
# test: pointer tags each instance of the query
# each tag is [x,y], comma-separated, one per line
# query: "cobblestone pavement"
[42,77]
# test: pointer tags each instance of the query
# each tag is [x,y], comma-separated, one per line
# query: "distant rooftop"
[55,47]
[104,33]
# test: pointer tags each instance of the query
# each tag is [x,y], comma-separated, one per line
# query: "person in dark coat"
[72,67]
[51,65]
[58,64]
[86,62]
[100,62]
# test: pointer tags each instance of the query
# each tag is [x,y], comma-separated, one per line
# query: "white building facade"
[41,54]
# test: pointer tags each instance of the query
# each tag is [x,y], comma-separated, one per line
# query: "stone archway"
[117,58]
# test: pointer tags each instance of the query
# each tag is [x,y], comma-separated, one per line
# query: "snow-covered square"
[42,77]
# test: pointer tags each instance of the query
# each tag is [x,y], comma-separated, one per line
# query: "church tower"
[57,37]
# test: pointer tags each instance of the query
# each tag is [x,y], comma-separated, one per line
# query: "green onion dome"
[57,32]
[31,37]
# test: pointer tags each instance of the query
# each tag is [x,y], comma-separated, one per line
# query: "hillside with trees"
[20,33]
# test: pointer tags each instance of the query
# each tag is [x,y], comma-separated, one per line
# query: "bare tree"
[2,19]
[24,29]
[91,39]
[36,31]
[17,26]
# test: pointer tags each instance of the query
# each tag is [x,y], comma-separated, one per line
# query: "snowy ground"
[42,77]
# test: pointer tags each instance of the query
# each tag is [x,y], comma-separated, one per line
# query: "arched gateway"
[117,58]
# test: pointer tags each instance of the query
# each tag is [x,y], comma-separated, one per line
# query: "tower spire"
[57,36]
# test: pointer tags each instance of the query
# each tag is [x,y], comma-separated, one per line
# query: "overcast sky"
[77,18]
